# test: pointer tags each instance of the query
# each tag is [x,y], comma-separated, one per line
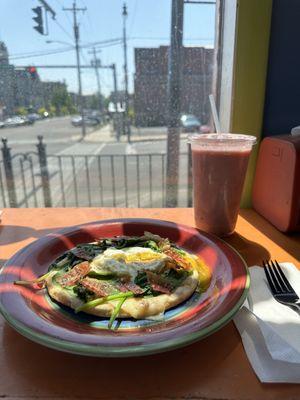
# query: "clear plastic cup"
[219,168]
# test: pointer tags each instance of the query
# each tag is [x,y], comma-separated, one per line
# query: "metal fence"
[35,179]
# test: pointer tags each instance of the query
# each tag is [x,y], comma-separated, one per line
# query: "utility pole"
[116,114]
[74,10]
[127,124]
[174,102]
[96,63]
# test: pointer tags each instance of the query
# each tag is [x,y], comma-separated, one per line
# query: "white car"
[13,122]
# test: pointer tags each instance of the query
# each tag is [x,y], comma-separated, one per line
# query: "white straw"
[214,113]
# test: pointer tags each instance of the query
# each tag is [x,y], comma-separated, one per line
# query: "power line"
[62,28]
[67,15]
[41,54]
[83,56]
[88,15]
[102,43]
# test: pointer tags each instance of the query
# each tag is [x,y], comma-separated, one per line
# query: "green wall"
[250,70]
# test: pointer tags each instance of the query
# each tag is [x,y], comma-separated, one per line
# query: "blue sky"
[148,25]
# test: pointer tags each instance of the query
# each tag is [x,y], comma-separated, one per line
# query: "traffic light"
[38,19]
[32,72]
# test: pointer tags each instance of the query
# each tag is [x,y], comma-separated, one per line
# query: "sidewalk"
[106,134]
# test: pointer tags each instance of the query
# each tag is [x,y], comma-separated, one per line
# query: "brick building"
[150,84]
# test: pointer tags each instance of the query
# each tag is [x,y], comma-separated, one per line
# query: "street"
[58,133]
[96,171]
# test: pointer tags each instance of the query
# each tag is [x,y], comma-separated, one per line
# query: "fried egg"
[130,261]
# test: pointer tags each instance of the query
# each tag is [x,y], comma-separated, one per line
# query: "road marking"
[73,149]
[68,175]
[130,149]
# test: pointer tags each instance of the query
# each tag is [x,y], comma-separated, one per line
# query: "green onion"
[40,279]
[116,312]
[96,302]
[62,262]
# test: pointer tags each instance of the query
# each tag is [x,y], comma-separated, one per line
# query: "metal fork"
[280,287]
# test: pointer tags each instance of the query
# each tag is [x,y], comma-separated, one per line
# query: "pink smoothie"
[218,178]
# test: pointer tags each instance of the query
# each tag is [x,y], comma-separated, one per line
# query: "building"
[22,87]
[150,84]
[28,91]
[6,83]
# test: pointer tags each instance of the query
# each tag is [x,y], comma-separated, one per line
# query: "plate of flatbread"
[120,288]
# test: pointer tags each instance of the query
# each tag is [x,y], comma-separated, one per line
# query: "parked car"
[89,121]
[189,123]
[95,115]
[27,120]
[1,124]
[34,117]
[13,121]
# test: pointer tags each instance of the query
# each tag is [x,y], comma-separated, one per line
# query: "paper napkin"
[270,331]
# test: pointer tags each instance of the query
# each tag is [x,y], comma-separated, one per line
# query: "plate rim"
[123,351]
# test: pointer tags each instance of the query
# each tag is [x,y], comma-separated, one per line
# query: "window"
[88,94]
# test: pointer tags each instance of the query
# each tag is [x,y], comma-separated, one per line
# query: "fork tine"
[280,281]
[284,278]
[269,278]
[276,281]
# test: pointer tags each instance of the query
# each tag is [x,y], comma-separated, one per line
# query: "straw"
[214,113]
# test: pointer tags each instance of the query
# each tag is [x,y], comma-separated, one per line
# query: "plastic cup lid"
[222,140]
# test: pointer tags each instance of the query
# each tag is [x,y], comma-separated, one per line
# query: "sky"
[148,25]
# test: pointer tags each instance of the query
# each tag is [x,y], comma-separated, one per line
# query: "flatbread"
[137,307]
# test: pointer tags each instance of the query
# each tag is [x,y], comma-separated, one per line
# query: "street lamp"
[59,41]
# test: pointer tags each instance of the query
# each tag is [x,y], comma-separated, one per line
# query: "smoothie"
[219,171]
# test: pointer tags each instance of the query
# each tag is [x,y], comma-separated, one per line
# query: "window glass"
[90,91]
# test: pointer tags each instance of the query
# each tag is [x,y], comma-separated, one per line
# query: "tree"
[106,102]
[62,101]
[92,101]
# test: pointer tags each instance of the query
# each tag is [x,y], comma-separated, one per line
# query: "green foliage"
[21,111]
[62,101]
[41,110]
[52,111]
[106,102]
[131,113]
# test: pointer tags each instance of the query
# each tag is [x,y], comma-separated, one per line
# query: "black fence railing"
[35,179]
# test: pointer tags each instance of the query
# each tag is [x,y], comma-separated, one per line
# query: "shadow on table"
[190,370]
[289,242]
[16,233]
[252,252]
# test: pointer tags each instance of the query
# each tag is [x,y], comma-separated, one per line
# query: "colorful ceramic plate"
[34,315]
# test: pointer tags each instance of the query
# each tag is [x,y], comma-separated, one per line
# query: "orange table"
[214,368]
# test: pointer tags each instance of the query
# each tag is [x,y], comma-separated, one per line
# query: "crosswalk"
[64,161]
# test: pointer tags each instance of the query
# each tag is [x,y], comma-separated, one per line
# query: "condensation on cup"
[219,168]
